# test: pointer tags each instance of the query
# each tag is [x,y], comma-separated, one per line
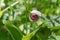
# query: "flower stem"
[10,6]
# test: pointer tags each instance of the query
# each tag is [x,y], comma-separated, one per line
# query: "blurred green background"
[15,22]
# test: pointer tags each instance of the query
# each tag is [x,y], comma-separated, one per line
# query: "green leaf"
[43,33]
[4,35]
[56,30]
[1,14]
[58,33]
[13,31]
[30,35]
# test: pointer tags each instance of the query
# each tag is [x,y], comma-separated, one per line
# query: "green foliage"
[16,34]
[15,22]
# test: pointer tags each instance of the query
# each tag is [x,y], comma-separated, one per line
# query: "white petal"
[36,12]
